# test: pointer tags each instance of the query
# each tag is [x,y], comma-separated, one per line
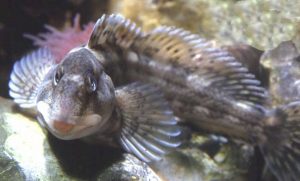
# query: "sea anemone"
[61,42]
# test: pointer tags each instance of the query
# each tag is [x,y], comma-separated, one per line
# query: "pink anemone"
[61,42]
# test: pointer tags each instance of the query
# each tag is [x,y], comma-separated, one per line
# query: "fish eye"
[92,84]
[58,75]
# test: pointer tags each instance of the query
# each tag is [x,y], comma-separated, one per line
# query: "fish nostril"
[62,126]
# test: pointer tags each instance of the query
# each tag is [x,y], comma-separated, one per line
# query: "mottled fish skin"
[68,96]
[199,80]
[77,99]
[207,87]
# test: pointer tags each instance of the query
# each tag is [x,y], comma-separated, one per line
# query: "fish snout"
[62,126]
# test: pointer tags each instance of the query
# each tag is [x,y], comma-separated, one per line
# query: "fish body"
[200,81]
[206,87]
[76,99]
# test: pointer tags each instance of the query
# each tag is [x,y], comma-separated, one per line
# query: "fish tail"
[281,146]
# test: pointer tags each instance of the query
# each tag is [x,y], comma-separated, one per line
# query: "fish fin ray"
[178,47]
[148,131]
[206,66]
[113,30]
[27,75]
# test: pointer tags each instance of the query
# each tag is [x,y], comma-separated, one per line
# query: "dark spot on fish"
[161,38]
[123,36]
[296,111]
[168,48]
[144,134]
[297,59]
[176,50]
[155,49]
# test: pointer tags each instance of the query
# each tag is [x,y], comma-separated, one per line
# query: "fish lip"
[82,128]
[77,132]
[62,126]
[82,125]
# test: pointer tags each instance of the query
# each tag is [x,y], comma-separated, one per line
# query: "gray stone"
[28,153]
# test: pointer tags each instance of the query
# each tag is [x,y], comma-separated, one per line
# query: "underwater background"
[262,24]
[26,153]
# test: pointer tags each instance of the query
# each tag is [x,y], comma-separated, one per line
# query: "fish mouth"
[62,126]
[69,127]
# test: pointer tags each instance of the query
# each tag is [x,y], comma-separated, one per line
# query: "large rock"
[27,153]
[262,24]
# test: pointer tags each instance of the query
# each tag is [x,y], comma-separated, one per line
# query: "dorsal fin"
[113,30]
[207,67]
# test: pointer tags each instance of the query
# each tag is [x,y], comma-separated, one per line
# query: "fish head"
[76,97]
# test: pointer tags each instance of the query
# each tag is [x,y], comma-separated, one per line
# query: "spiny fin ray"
[27,75]
[149,131]
[215,68]
[113,30]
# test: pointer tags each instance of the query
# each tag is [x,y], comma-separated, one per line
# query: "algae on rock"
[27,153]
[262,24]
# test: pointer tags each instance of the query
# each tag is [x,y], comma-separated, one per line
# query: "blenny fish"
[204,85]
[77,99]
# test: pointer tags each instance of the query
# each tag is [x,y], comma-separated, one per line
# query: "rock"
[282,64]
[262,24]
[28,153]
[248,56]
[209,158]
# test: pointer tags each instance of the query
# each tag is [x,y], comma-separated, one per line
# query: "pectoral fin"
[149,127]
[28,73]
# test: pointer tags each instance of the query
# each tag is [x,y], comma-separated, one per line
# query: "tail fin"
[282,148]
